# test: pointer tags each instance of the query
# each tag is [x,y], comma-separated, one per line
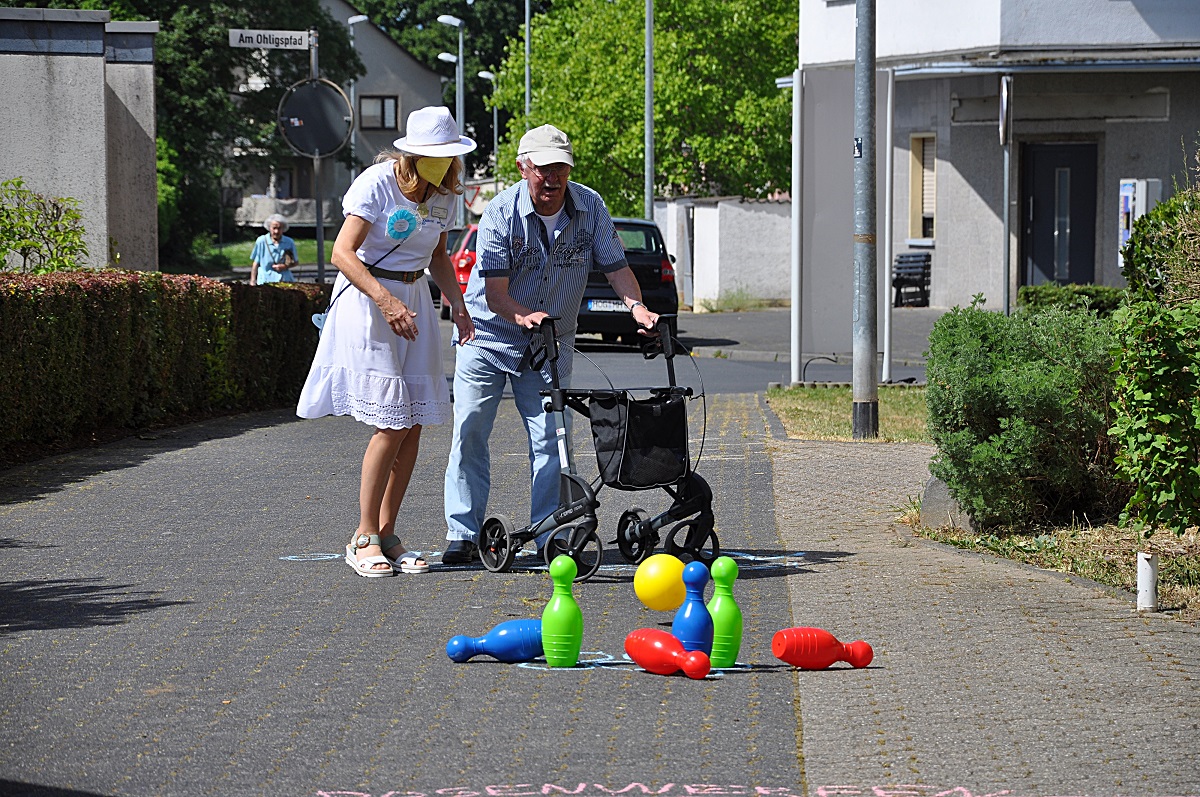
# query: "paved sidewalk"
[176,620]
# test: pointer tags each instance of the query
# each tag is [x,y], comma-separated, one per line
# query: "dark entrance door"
[1058,213]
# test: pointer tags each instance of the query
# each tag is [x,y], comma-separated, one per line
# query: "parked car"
[601,312]
[462,256]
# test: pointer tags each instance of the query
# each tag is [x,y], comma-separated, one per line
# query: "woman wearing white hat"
[274,253]
[379,358]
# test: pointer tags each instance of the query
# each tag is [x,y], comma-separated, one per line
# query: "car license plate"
[606,306]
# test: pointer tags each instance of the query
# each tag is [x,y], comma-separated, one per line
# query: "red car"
[462,256]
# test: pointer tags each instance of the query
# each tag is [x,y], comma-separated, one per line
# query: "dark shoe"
[460,552]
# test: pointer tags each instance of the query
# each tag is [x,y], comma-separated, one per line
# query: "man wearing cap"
[537,242]
[274,253]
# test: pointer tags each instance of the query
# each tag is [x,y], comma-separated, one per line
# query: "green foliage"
[92,351]
[1100,299]
[167,172]
[1019,409]
[39,233]
[1157,398]
[720,125]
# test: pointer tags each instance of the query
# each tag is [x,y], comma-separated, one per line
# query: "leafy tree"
[210,122]
[720,124]
[489,27]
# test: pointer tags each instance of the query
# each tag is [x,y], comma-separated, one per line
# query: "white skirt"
[364,369]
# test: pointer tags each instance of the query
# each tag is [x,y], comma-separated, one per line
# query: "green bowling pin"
[562,621]
[726,615]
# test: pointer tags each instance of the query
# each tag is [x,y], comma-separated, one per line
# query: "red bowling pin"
[658,652]
[816,649]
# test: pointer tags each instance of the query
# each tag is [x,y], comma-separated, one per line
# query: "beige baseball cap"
[545,145]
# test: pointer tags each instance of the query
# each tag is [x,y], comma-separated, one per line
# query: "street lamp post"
[352,21]
[491,78]
[527,64]
[455,22]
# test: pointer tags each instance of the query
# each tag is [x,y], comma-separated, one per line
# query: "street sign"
[315,118]
[269,39]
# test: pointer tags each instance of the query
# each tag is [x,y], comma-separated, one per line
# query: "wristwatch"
[636,305]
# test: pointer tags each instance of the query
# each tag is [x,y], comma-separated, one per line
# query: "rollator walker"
[641,444]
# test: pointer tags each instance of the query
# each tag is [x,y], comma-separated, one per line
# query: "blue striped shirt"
[545,275]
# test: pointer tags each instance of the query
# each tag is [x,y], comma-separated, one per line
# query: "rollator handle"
[547,346]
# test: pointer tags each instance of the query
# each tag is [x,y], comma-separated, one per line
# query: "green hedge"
[1103,300]
[1158,414]
[1019,408]
[95,351]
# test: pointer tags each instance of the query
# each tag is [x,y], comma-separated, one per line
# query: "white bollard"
[1147,582]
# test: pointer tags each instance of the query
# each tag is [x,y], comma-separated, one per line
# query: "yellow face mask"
[433,169]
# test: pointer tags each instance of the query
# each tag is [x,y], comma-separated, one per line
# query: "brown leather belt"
[399,276]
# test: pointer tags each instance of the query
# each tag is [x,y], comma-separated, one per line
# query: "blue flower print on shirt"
[402,223]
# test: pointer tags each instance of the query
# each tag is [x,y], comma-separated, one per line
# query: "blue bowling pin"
[693,625]
[511,641]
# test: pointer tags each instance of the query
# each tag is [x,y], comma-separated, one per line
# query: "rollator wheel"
[584,546]
[634,542]
[699,544]
[495,543]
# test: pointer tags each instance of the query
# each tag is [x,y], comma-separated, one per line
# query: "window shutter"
[928,177]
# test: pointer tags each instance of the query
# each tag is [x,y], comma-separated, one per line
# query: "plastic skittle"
[656,651]
[511,641]
[816,649]
[692,625]
[562,621]
[726,614]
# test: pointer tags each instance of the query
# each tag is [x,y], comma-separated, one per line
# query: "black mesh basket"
[640,443]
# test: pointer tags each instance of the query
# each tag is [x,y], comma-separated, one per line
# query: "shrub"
[1019,408]
[42,233]
[1100,299]
[85,352]
[1157,398]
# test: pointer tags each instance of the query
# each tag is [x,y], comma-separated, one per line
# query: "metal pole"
[649,111]
[1006,140]
[460,215]
[889,184]
[353,117]
[526,64]
[797,220]
[314,73]
[865,389]
[495,138]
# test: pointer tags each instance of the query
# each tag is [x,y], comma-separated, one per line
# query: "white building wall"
[903,27]
[1088,23]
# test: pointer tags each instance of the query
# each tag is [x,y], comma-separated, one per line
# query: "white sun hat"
[432,132]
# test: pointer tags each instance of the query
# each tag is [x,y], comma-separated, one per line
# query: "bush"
[1019,408]
[92,351]
[1157,422]
[1100,299]
[43,233]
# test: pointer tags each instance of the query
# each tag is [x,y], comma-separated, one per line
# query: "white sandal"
[406,562]
[366,567]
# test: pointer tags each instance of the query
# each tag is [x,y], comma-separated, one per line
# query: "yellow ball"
[658,582]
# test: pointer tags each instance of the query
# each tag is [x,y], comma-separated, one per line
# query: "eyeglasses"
[555,169]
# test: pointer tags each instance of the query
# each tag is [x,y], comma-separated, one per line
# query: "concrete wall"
[130,110]
[741,247]
[53,113]
[1088,23]
[903,27]
[922,28]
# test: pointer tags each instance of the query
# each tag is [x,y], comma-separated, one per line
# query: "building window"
[922,186]
[377,113]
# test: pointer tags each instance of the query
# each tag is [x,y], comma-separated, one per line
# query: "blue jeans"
[478,388]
